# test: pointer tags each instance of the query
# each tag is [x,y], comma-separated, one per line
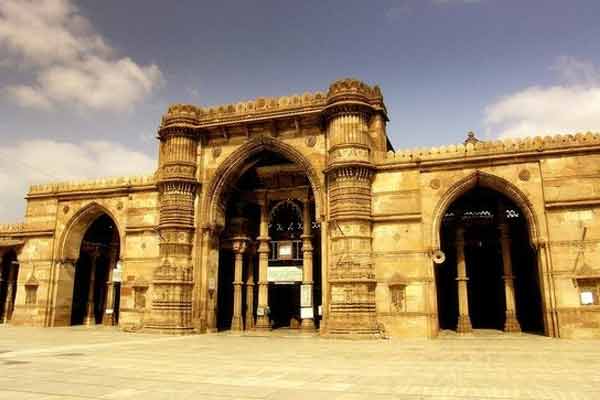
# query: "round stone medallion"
[311,140]
[435,184]
[524,175]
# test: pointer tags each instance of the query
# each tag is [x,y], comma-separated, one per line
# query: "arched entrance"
[93,284]
[9,272]
[88,283]
[269,269]
[490,276]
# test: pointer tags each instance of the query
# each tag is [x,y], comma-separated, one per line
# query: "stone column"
[351,105]
[172,280]
[263,321]
[109,312]
[239,247]
[90,318]
[11,287]
[511,324]
[307,268]
[250,292]
[464,321]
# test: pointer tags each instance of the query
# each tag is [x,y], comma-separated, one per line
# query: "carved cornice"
[351,171]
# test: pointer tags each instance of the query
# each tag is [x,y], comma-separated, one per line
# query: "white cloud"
[72,64]
[570,107]
[37,161]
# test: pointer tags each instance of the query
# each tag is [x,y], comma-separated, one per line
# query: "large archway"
[490,277]
[87,286]
[93,289]
[269,269]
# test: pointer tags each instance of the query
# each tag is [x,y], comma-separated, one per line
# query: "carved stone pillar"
[250,291]
[350,107]
[511,324]
[2,278]
[239,247]
[464,321]
[90,317]
[262,320]
[11,289]
[8,305]
[109,311]
[211,245]
[173,282]
[306,301]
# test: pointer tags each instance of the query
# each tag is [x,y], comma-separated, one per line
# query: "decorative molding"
[388,218]
[573,203]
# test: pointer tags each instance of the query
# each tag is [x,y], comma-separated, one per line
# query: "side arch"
[77,226]
[232,167]
[501,185]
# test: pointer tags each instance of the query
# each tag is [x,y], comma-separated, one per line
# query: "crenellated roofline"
[92,185]
[509,146]
[261,108]
[10,229]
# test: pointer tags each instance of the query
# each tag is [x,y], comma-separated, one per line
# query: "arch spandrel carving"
[232,167]
[76,227]
[490,181]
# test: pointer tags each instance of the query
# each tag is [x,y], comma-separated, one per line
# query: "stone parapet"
[263,107]
[10,229]
[91,185]
[536,145]
[346,92]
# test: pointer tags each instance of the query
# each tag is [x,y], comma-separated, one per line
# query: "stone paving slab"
[104,363]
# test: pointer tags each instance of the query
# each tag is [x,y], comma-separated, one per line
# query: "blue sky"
[83,83]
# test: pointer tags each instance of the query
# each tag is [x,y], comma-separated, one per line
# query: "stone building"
[296,212]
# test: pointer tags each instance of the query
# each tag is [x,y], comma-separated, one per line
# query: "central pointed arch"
[501,185]
[234,165]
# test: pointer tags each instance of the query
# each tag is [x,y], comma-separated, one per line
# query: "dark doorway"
[9,272]
[480,212]
[98,255]
[484,269]
[225,294]
[284,303]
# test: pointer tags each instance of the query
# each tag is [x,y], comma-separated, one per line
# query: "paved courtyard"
[101,363]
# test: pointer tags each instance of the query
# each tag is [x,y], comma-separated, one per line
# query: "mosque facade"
[296,213]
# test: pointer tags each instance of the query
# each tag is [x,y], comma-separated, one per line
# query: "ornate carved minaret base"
[350,112]
[172,283]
